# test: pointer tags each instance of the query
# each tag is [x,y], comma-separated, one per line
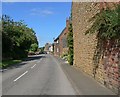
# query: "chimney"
[67,22]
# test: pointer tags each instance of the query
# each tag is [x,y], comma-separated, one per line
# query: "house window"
[57,41]
[57,49]
[64,41]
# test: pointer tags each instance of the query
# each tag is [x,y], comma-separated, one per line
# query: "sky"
[48,19]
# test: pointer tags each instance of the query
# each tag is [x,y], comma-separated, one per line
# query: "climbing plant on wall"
[106,24]
[70,44]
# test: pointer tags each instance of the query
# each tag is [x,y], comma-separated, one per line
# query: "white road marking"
[20,76]
[33,66]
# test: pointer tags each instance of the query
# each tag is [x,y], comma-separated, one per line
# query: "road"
[39,75]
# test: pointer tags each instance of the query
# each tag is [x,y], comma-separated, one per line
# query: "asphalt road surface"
[39,75]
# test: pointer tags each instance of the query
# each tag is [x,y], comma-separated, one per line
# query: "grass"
[7,63]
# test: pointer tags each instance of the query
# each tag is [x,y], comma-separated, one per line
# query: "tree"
[17,38]
[34,47]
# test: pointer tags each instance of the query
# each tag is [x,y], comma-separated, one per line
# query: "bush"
[65,56]
[17,38]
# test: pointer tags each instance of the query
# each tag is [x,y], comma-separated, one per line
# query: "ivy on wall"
[106,24]
[70,44]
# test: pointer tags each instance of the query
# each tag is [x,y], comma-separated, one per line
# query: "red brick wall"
[111,63]
[63,35]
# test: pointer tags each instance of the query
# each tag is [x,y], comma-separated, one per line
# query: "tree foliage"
[17,38]
[42,49]
[106,24]
[33,47]
[70,44]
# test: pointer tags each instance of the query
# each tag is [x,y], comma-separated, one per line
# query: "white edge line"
[20,76]
[33,66]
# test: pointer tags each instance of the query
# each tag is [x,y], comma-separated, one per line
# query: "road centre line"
[25,72]
[20,76]
[33,66]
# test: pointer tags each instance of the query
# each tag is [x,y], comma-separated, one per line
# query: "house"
[103,67]
[56,47]
[60,43]
[51,48]
[48,48]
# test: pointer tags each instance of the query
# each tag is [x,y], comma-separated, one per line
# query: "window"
[57,41]
[64,42]
[57,49]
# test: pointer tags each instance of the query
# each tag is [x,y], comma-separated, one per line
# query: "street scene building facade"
[60,43]
[48,48]
[106,69]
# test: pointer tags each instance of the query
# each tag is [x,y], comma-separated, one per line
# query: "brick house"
[107,72]
[60,43]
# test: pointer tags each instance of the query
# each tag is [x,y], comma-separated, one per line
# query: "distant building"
[51,48]
[60,43]
[56,47]
[48,48]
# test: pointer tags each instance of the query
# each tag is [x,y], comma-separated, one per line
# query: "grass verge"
[7,63]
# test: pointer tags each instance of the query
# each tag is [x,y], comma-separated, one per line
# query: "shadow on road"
[31,58]
[25,61]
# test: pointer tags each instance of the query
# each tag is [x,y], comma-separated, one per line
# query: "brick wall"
[84,45]
[63,42]
[87,55]
[111,62]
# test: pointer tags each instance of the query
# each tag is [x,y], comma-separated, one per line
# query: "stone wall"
[87,56]
[84,45]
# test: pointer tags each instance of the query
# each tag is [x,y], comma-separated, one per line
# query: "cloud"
[42,12]
[47,12]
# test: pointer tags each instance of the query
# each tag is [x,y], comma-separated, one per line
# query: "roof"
[60,34]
